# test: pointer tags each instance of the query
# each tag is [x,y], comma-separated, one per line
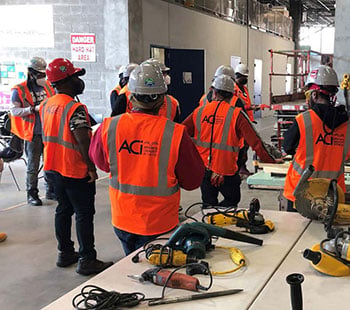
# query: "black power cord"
[92,297]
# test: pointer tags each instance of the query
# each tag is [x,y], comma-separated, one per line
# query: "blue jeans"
[131,242]
[74,196]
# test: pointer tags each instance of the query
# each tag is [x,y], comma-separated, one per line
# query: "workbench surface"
[262,262]
[319,291]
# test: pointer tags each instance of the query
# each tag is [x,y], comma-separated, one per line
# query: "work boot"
[66,259]
[86,267]
[3,236]
[33,198]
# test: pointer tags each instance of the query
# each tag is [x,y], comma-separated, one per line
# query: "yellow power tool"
[251,219]
[321,199]
[331,256]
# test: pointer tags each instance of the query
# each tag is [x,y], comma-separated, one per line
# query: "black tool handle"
[295,280]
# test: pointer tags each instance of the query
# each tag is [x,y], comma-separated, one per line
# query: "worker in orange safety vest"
[319,136]
[25,123]
[66,137]
[217,129]
[121,88]
[149,158]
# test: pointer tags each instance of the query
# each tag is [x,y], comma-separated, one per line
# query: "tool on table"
[331,256]
[251,219]
[193,297]
[160,277]
[321,199]
[295,280]
[194,239]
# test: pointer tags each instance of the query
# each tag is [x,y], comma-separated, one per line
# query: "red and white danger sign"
[83,47]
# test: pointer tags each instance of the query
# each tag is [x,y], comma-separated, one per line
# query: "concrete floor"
[29,276]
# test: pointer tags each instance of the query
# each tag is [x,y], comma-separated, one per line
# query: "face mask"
[41,82]
[243,81]
[167,80]
[78,86]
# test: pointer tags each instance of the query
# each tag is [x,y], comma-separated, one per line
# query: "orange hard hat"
[61,68]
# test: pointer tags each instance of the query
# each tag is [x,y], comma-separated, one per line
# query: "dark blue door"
[187,77]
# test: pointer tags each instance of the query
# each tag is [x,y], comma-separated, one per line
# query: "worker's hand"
[93,176]
[216,179]
[279,160]
[36,108]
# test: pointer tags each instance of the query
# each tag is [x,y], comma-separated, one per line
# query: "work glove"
[216,179]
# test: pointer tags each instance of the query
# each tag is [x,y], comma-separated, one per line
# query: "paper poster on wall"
[187,77]
[235,61]
[83,47]
[26,26]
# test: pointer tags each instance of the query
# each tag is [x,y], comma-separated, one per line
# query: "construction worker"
[217,129]
[149,158]
[3,236]
[66,136]
[241,91]
[25,123]
[116,90]
[226,70]
[318,136]
[171,107]
[122,101]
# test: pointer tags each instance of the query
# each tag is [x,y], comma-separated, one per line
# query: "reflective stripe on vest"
[48,90]
[205,101]
[310,151]
[59,138]
[222,146]
[162,189]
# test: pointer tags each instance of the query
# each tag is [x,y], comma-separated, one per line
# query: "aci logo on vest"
[330,139]
[139,147]
[210,118]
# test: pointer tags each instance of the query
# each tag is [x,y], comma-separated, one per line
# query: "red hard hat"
[61,68]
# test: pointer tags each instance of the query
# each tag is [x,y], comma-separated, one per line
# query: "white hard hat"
[323,75]
[147,79]
[121,70]
[224,82]
[128,69]
[162,66]
[38,64]
[242,69]
[225,69]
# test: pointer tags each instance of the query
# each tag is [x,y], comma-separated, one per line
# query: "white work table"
[319,291]
[262,262]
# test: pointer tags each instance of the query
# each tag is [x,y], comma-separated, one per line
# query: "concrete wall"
[174,26]
[342,41]
[108,19]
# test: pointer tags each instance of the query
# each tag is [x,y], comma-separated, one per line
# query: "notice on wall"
[83,47]
[26,26]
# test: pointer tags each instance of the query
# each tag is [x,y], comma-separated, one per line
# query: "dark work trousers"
[230,189]
[74,196]
[33,150]
[131,242]
[290,206]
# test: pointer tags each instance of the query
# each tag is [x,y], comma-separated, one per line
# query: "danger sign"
[83,47]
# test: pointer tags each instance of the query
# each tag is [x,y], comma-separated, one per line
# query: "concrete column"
[341,61]
[135,31]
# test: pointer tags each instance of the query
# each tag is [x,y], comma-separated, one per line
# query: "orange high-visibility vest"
[117,89]
[225,143]
[142,152]
[23,127]
[168,109]
[61,152]
[244,96]
[326,153]
[125,90]
[204,100]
